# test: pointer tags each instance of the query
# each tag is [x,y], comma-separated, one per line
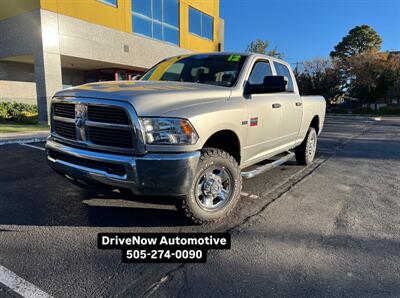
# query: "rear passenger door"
[292,109]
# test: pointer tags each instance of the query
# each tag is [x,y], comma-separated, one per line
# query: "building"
[47,45]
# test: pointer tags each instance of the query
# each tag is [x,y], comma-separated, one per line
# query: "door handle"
[276,105]
[298,104]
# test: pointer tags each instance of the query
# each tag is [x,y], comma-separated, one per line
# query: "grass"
[17,127]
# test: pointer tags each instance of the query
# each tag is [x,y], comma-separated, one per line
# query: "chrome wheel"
[311,146]
[214,188]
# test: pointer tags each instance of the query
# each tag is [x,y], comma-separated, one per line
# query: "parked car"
[190,128]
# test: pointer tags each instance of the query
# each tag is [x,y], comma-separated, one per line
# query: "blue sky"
[304,29]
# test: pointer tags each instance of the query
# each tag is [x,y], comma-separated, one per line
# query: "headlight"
[169,131]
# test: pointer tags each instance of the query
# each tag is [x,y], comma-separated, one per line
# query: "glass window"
[260,70]
[171,35]
[282,70]
[157,10]
[203,69]
[195,21]
[201,24]
[171,12]
[207,26]
[111,2]
[158,19]
[141,25]
[142,7]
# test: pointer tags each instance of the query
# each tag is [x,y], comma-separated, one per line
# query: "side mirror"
[271,84]
[136,77]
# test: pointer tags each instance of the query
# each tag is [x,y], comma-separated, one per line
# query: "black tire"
[193,205]
[304,152]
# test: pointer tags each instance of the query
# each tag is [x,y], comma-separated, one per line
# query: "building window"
[111,2]
[158,19]
[201,24]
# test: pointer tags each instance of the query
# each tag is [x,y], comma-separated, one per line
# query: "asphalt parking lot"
[330,229]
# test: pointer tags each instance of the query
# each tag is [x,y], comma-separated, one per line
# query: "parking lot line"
[20,285]
[32,146]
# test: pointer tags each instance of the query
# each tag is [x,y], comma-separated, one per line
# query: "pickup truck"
[191,127]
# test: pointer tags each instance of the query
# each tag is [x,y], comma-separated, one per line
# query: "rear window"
[282,70]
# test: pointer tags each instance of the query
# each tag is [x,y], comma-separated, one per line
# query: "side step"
[267,167]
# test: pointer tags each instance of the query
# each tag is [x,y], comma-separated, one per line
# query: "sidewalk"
[23,137]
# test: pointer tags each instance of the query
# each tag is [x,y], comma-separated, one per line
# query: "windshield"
[221,70]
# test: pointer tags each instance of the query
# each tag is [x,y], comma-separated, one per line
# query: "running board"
[267,167]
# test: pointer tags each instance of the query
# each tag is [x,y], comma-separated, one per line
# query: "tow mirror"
[271,84]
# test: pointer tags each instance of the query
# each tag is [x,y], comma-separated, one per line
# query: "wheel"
[305,152]
[216,188]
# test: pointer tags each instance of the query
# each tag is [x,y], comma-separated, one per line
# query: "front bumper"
[169,174]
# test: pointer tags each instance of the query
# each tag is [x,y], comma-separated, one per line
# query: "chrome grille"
[99,126]
[66,110]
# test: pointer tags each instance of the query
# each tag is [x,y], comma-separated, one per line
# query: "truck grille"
[107,114]
[101,125]
[110,137]
[66,110]
[65,129]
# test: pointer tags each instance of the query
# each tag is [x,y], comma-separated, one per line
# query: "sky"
[304,29]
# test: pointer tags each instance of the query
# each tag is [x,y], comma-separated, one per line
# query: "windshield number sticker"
[234,58]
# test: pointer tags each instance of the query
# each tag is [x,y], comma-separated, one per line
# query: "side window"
[282,70]
[260,70]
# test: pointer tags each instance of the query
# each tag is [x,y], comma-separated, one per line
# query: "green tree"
[358,40]
[260,46]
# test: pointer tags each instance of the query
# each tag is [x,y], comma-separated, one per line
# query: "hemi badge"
[244,122]
[254,121]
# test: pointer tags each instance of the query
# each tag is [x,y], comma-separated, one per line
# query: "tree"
[358,40]
[372,74]
[259,46]
[319,77]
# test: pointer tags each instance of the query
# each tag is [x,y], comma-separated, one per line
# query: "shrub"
[18,112]
[389,111]
[364,111]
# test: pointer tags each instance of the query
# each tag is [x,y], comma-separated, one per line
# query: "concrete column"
[47,64]
[48,81]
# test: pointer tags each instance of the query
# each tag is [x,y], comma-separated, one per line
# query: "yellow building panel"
[93,11]
[11,8]
[120,17]
[190,41]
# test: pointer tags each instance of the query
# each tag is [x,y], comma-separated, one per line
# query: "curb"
[23,140]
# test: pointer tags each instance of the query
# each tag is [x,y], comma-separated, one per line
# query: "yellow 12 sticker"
[234,58]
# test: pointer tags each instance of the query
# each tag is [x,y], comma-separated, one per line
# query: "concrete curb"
[23,138]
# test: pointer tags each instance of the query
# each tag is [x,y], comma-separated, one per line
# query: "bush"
[389,111]
[18,112]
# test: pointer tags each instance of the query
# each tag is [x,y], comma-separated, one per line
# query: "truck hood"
[150,98]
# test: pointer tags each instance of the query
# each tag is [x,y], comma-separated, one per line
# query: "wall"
[11,8]
[15,71]
[18,91]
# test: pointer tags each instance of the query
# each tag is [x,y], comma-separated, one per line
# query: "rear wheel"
[216,188]
[305,152]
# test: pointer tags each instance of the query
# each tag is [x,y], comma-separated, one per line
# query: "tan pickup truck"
[190,128]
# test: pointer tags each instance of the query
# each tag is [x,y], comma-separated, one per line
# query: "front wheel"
[216,188]
[305,152]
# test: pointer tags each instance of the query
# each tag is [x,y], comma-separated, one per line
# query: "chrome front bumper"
[169,174]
